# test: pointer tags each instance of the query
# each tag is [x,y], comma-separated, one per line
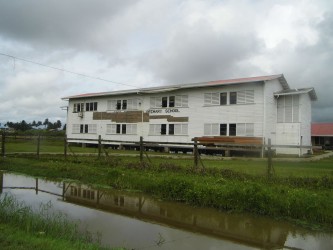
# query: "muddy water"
[134,220]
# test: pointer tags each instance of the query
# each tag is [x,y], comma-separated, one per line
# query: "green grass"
[46,145]
[13,237]
[23,228]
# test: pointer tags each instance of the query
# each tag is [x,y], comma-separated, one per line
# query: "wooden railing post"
[3,143]
[196,153]
[38,145]
[99,146]
[65,148]
[269,159]
[141,149]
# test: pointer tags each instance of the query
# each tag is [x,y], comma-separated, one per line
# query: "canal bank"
[304,200]
[135,220]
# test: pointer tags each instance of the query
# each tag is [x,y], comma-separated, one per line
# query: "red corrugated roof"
[322,129]
[280,77]
[247,79]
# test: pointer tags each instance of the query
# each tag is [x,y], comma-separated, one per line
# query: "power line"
[64,70]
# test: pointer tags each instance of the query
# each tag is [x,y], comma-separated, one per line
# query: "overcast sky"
[151,43]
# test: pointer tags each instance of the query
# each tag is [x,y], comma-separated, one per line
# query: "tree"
[58,124]
[23,126]
[46,122]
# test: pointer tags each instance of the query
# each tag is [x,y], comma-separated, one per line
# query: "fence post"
[38,145]
[195,152]
[141,149]
[3,142]
[36,185]
[65,148]
[269,161]
[99,146]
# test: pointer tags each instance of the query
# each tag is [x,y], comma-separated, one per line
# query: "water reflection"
[243,230]
[257,232]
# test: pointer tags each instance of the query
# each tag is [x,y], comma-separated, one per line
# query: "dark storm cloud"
[58,23]
[311,66]
[202,54]
[323,77]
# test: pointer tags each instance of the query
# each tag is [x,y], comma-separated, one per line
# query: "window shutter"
[295,108]
[112,104]
[215,98]
[131,129]
[249,130]
[184,101]
[288,109]
[92,128]
[215,129]
[184,129]
[181,101]
[280,109]
[111,129]
[207,129]
[135,103]
[155,129]
[240,129]
[241,97]
[249,96]
[155,102]
[76,128]
[207,98]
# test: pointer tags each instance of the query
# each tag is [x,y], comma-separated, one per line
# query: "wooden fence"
[196,147]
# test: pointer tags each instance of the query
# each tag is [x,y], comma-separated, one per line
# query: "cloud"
[199,53]
[62,24]
[148,42]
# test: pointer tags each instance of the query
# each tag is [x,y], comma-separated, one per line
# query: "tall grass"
[42,222]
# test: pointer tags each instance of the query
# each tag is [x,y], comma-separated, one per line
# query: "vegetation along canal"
[137,221]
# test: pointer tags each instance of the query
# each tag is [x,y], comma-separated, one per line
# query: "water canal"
[137,221]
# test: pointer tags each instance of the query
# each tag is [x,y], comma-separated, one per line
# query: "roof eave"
[310,91]
[283,82]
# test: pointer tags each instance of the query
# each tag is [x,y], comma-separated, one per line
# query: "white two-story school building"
[262,107]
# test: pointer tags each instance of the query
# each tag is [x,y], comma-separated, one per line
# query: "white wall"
[305,119]
[270,110]
[262,113]
[197,113]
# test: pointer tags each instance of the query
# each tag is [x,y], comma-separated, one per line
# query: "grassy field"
[252,166]
[55,145]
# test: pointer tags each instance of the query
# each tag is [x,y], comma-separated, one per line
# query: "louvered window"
[155,102]
[288,109]
[76,128]
[181,101]
[211,129]
[180,129]
[128,129]
[244,129]
[211,98]
[155,129]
